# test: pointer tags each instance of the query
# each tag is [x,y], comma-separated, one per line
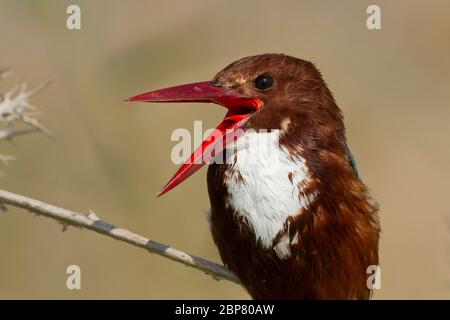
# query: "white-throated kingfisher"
[296,223]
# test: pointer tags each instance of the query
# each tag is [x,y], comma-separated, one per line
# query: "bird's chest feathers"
[264,183]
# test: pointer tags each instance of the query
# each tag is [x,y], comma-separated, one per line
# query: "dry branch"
[91,222]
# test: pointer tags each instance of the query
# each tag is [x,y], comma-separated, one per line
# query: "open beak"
[240,109]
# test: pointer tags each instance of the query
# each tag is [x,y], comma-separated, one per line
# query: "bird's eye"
[263,82]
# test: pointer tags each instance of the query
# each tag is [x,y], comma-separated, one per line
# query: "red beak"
[240,109]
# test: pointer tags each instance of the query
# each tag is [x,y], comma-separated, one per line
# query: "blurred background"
[392,85]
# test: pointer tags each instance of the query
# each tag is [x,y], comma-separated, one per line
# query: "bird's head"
[269,91]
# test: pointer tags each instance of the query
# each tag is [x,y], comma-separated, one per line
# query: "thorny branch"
[15,108]
[91,222]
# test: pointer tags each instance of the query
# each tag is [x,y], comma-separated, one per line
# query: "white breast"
[264,186]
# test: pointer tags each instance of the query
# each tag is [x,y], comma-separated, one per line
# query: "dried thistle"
[15,108]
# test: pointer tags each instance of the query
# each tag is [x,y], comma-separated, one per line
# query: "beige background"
[393,86]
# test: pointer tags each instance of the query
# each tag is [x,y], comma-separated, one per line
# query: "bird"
[297,222]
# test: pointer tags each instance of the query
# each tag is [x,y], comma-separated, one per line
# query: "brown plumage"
[301,225]
[338,231]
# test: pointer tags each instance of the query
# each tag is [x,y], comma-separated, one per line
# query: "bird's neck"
[264,185]
[305,211]
[279,187]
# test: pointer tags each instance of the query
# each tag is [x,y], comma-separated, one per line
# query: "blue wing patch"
[351,159]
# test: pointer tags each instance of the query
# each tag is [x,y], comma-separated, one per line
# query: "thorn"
[92,215]
[11,92]
[37,125]
[64,226]
[214,277]
[37,89]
